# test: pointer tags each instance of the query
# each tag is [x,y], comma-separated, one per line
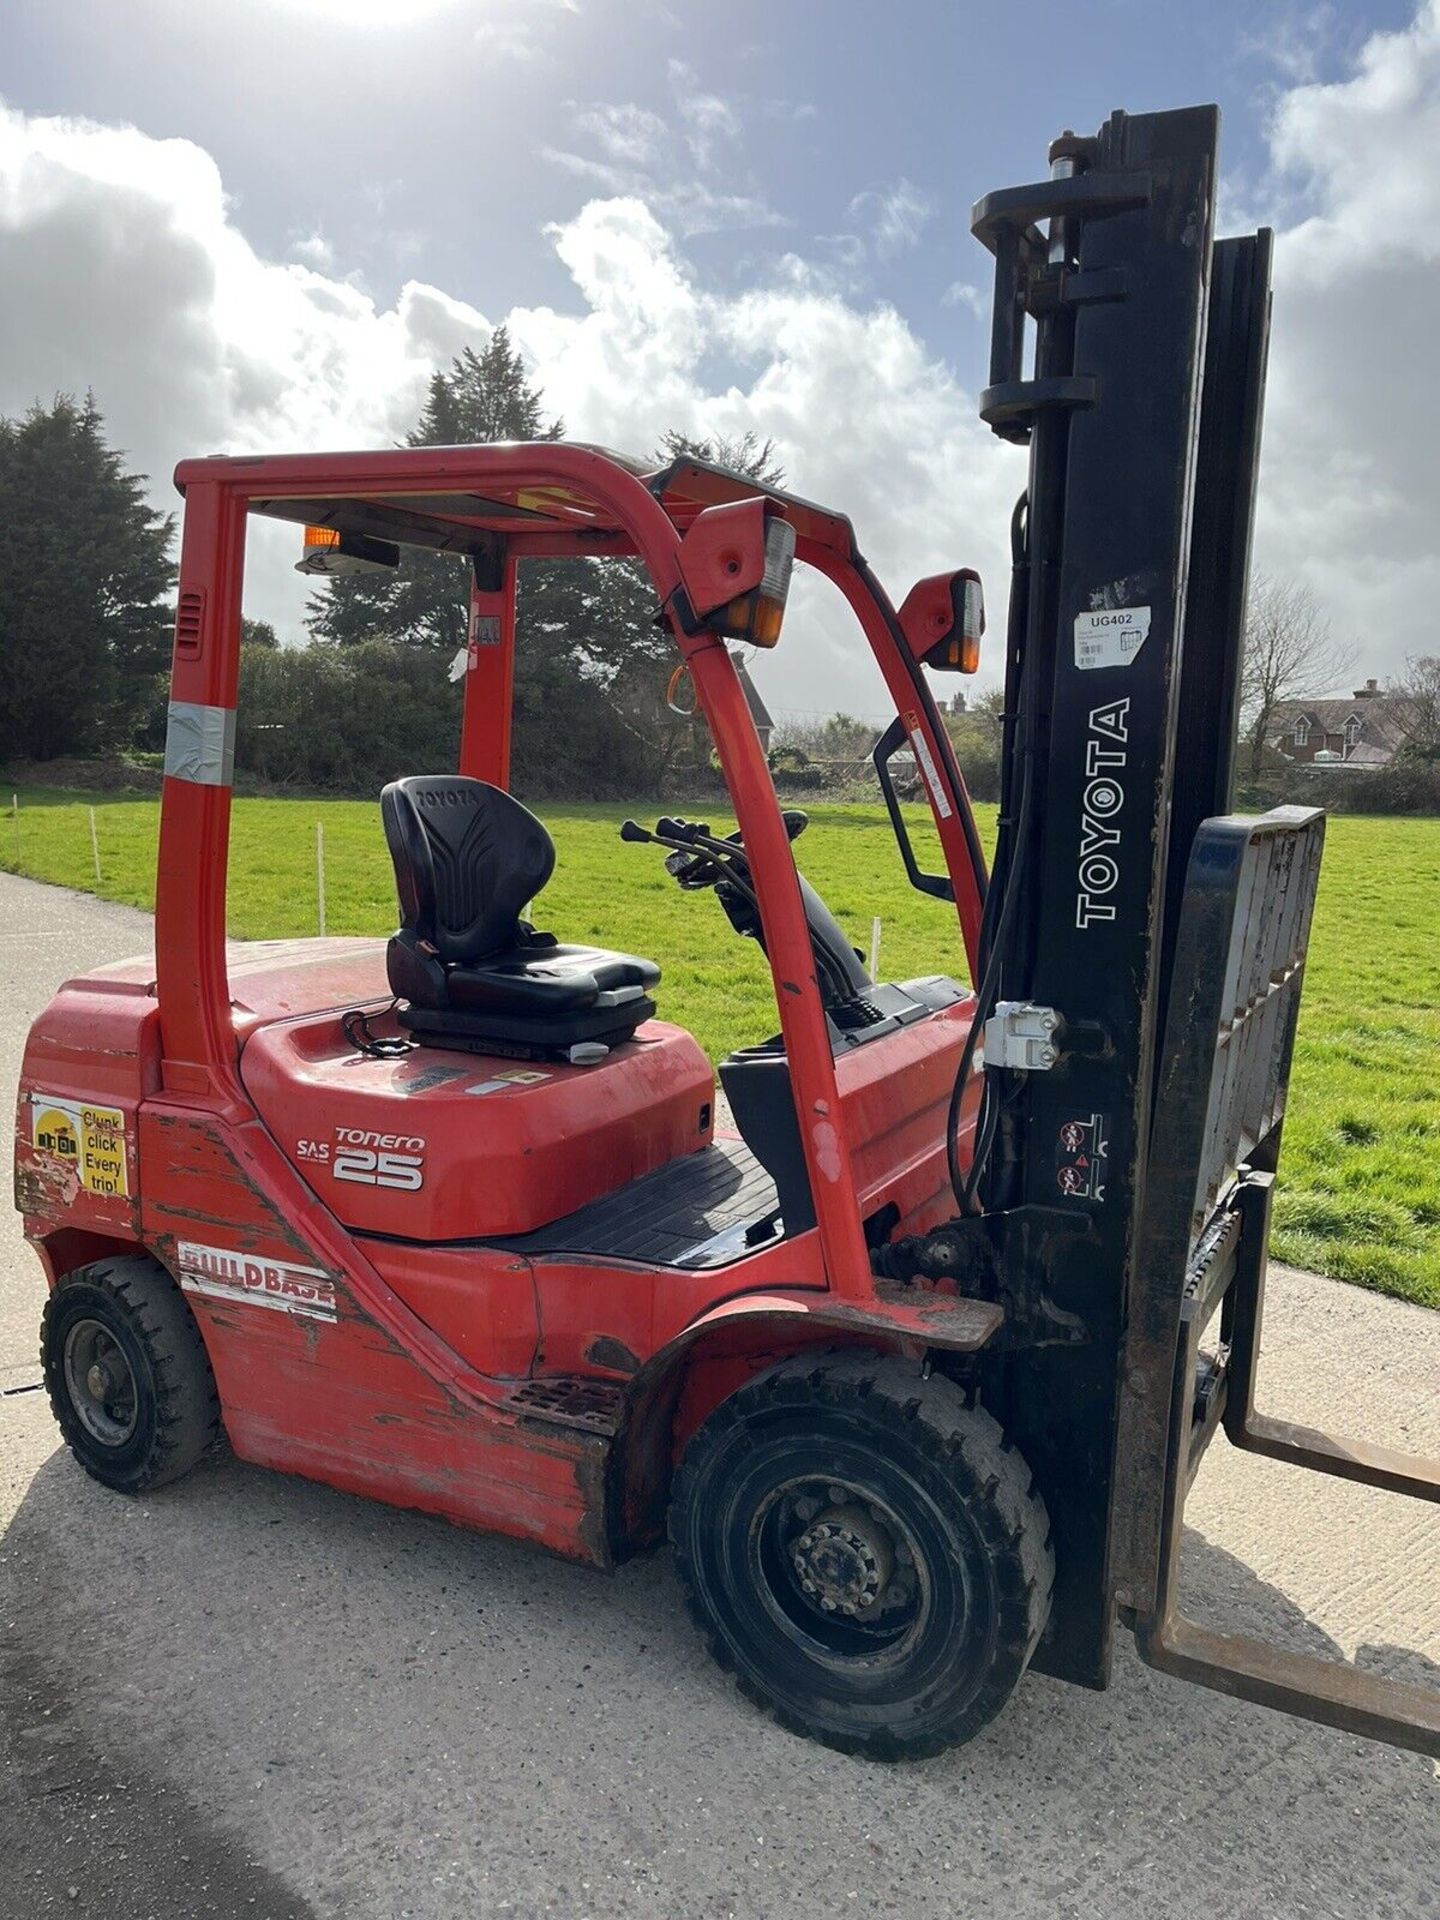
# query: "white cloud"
[314,250]
[861,415]
[629,135]
[125,270]
[711,122]
[516,30]
[960,293]
[680,167]
[689,206]
[896,216]
[1350,485]
[1295,41]
[511,30]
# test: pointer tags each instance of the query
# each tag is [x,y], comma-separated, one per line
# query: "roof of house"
[1365,755]
[1378,715]
[759,712]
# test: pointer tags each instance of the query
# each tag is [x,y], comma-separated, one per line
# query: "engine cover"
[438,1146]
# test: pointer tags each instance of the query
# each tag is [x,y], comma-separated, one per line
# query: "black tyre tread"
[187,1404]
[903,1398]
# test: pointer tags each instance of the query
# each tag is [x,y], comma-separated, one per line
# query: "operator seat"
[468,857]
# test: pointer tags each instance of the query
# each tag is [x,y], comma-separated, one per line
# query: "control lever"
[668,828]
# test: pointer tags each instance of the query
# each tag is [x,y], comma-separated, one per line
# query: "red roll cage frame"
[701,544]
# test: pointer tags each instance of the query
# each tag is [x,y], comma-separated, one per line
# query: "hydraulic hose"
[1004,889]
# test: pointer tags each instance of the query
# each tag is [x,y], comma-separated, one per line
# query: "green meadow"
[1359,1196]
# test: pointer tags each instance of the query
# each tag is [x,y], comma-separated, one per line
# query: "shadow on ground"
[398,1718]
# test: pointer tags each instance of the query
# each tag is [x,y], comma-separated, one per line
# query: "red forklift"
[916,1357]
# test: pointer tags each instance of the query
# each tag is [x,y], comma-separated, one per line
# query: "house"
[1361,732]
[759,712]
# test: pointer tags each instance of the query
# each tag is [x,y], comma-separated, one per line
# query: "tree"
[591,664]
[1416,714]
[344,718]
[258,633]
[484,397]
[84,572]
[977,735]
[745,453]
[1289,655]
[840,738]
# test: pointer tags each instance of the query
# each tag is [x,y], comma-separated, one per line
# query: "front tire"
[865,1552]
[127,1374]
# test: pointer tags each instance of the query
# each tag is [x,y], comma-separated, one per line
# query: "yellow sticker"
[89,1139]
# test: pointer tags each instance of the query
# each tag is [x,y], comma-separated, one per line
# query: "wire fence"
[91,830]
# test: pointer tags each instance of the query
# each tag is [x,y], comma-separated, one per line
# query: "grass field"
[1360,1191]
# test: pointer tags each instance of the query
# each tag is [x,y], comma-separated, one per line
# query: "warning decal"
[89,1139]
[1110,636]
[221,1274]
[924,759]
[1082,1149]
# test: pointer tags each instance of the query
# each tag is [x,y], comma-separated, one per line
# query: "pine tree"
[591,665]
[84,572]
[484,397]
[579,620]
[743,453]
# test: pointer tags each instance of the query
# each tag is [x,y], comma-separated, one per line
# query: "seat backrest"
[467,859]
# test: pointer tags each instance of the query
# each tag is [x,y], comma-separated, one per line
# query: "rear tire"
[865,1552]
[127,1374]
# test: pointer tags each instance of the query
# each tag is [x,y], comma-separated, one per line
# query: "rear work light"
[757,616]
[329,551]
[964,645]
[943,619]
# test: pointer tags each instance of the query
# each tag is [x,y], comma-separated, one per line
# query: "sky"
[259,224]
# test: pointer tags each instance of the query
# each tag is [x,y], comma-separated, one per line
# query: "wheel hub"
[844,1560]
[99,1382]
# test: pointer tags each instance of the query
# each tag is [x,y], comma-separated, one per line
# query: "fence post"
[15,811]
[875,948]
[320,873]
[95,845]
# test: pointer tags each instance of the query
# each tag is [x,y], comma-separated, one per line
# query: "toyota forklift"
[916,1351]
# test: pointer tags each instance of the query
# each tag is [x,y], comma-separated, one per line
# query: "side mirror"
[942,620]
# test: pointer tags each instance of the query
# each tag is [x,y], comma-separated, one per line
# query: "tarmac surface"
[250,1696]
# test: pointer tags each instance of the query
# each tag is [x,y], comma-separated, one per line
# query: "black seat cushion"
[548,978]
[468,857]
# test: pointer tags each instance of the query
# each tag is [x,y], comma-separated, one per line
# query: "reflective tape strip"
[200,744]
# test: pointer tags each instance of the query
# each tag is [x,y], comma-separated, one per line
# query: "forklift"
[916,1355]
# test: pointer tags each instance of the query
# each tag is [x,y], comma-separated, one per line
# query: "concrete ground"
[250,1696]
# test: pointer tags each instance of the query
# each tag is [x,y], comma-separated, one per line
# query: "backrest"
[467,859]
